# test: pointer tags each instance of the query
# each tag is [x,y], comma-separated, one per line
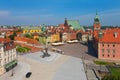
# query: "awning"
[11,64]
[14,62]
[8,65]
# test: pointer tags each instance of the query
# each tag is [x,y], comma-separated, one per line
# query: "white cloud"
[9,19]
[4,13]
[111,17]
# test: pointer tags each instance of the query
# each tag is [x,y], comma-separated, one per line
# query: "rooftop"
[110,36]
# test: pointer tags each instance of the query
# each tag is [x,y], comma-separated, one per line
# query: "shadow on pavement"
[91,50]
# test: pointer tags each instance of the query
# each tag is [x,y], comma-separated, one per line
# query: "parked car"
[28,74]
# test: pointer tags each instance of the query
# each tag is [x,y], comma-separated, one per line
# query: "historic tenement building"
[8,58]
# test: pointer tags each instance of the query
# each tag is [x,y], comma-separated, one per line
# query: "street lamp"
[12,72]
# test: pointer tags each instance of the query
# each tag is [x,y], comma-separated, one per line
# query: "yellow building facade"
[31,30]
[55,37]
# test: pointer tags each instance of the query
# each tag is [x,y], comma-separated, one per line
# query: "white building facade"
[8,57]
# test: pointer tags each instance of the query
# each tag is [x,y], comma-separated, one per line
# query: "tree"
[28,35]
[13,35]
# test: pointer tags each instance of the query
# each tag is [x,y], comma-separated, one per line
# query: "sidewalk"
[19,72]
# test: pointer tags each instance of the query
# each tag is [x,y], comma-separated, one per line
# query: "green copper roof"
[96,19]
[43,28]
[75,24]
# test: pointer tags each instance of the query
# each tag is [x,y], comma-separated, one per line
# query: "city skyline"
[53,12]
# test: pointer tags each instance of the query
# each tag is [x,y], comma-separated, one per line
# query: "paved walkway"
[76,50]
[43,71]
[38,57]
[19,72]
[56,67]
[72,69]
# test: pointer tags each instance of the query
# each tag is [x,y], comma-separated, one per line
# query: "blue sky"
[53,12]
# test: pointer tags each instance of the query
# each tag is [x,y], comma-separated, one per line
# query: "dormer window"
[115,34]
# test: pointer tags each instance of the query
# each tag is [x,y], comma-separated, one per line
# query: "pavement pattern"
[19,72]
[72,69]
[55,67]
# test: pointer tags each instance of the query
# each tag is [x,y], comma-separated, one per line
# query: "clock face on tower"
[96,26]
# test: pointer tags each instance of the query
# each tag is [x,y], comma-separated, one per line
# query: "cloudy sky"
[53,12]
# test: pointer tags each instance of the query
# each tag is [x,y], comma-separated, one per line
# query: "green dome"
[96,19]
[43,28]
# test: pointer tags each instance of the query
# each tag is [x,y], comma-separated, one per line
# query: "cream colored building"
[8,58]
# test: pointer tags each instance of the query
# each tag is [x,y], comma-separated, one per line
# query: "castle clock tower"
[97,25]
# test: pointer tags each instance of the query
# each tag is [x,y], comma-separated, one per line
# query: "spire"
[65,24]
[96,12]
[65,18]
[97,25]
[96,19]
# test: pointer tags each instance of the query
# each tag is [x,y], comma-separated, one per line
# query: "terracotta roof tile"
[111,35]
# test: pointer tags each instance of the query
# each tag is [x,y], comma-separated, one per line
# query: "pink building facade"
[109,51]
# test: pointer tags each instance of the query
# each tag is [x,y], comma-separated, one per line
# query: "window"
[113,45]
[113,55]
[113,51]
[11,58]
[103,45]
[5,53]
[108,45]
[0,63]
[5,60]
[103,55]
[102,50]
[108,55]
[8,59]
[108,50]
